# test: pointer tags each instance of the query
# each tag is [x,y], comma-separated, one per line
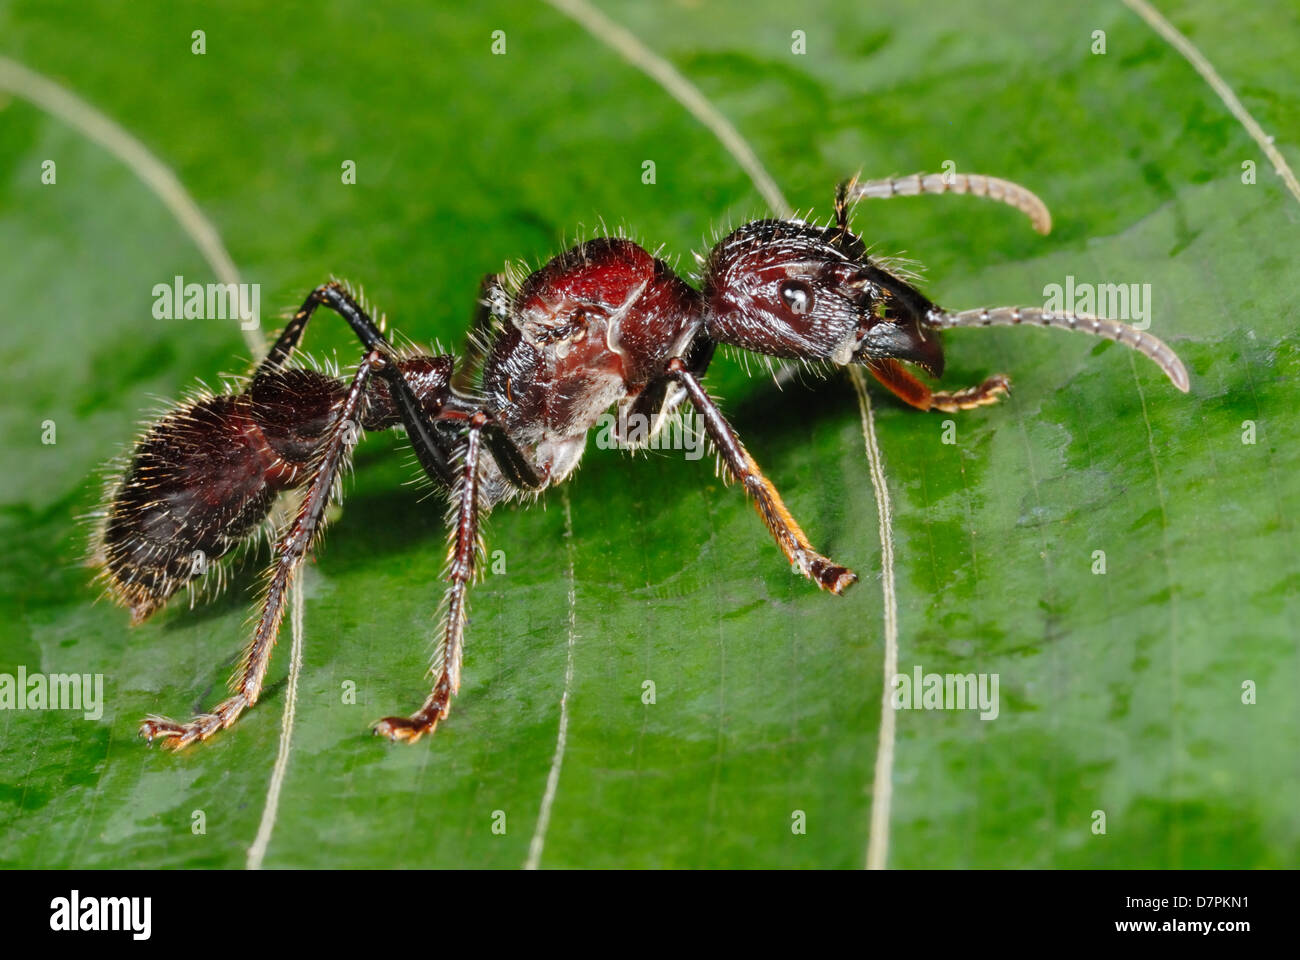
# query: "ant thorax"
[590,329]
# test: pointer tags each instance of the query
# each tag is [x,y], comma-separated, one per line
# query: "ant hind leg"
[291,550]
[465,548]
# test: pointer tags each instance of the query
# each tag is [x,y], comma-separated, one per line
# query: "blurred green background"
[1120,693]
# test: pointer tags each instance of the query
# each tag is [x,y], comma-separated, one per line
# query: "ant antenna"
[1129,336]
[992,188]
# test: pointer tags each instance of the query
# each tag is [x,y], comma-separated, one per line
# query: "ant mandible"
[604,323]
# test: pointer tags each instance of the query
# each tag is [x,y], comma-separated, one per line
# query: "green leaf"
[1120,693]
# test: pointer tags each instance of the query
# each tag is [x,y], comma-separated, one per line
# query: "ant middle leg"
[460,573]
[789,537]
[291,550]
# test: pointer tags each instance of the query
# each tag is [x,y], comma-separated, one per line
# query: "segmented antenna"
[994,188]
[1123,333]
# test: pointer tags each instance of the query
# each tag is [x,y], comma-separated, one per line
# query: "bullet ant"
[604,323]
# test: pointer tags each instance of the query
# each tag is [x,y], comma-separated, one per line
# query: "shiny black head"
[792,289]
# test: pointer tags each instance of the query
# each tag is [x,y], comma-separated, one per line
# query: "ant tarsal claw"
[832,577]
[406,729]
[989,392]
[173,735]
[177,735]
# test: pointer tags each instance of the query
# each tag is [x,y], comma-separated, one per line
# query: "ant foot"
[408,729]
[831,576]
[177,735]
[990,391]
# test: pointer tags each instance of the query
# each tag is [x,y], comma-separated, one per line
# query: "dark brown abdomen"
[204,478]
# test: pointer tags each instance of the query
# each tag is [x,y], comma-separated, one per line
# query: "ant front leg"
[912,391]
[460,572]
[789,537]
[292,548]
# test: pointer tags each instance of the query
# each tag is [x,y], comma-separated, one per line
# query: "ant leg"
[460,572]
[902,384]
[493,306]
[340,301]
[663,395]
[985,394]
[428,449]
[293,547]
[417,420]
[912,391]
[789,537]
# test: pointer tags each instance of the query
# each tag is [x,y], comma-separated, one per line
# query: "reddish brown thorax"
[590,329]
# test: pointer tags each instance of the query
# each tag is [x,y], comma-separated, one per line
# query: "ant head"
[788,288]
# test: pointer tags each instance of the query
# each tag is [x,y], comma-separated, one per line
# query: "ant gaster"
[603,324]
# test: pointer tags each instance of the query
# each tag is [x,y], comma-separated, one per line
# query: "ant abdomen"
[204,478]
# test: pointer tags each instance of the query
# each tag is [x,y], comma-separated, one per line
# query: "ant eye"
[798,296]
